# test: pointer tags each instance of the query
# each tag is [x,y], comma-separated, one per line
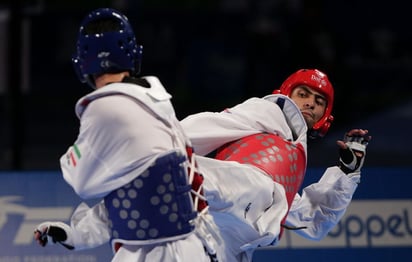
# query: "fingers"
[341,144]
[40,237]
[358,135]
[358,132]
[37,235]
[354,135]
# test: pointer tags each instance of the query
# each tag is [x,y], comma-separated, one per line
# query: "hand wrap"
[57,232]
[351,159]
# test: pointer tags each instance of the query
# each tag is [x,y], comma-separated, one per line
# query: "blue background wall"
[377,226]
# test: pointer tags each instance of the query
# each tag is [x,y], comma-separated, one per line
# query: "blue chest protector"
[157,204]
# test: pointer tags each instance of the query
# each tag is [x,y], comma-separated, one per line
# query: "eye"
[302,93]
[321,102]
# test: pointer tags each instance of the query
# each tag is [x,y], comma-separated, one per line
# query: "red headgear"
[318,81]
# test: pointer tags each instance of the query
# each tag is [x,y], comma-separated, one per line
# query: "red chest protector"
[284,161]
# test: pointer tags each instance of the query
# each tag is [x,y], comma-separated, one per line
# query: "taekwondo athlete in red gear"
[132,154]
[253,193]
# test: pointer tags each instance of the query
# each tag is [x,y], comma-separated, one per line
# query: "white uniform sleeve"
[322,204]
[89,226]
[208,131]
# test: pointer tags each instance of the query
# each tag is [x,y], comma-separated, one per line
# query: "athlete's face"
[311,103]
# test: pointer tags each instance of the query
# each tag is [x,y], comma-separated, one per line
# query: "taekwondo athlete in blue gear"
[132,154]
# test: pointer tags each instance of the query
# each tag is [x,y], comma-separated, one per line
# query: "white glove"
[352,150]
[56,232]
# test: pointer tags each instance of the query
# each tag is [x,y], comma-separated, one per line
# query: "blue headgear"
[106,52]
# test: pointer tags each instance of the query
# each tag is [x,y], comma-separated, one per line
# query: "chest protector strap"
[284,161]
[157,204]
[196,180]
